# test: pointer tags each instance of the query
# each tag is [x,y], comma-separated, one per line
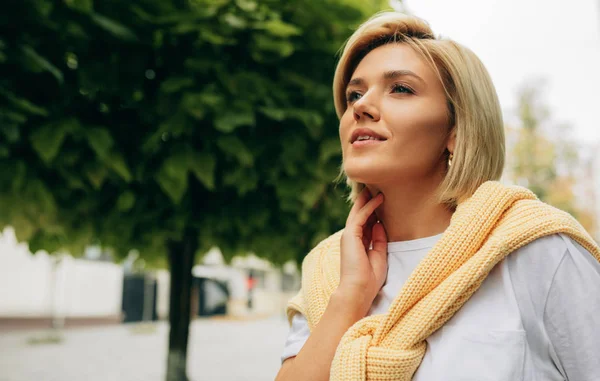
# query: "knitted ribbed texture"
[484,229]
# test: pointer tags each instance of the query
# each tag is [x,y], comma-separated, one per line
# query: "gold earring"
[450,159]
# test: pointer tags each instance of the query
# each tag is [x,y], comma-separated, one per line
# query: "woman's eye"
[402,89]
[353,96]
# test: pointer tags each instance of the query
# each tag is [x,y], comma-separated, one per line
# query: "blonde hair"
[473,106]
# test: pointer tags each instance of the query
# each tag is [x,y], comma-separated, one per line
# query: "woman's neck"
[411,211]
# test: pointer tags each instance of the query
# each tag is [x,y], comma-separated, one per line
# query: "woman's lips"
[367,143]
[365,132]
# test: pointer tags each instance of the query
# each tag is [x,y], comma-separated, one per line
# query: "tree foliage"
[545,158]
[172,126]
[125,123]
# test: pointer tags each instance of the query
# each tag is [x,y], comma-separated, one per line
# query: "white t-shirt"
[535,317]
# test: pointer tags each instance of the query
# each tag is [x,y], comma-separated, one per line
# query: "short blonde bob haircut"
[473,108]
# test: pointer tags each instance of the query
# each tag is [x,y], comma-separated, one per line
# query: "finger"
[362,198]
[379,238]
[371,220]
[378,255]
[368,229]
[361,217]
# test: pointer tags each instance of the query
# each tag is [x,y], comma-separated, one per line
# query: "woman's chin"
[363,175]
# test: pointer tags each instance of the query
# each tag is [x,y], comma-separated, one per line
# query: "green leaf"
[117,163]
[311,194]
[329,148]
[175,84]
[203,166]
[279,28]
[113,27]
[281,47]
[243,179]
[185,28]
[11,132]
[233,146]
[126,201]
[172,176]
[69,158]
[12,117]
[311,120]
[24,228]
[201,66]
[39,63]
[273,113]
[80,5]
[40,196]
[96,173]
[47,139]
[18,173]
[192,104]
[75,30]
[100,140]
[174,17]
[234,21]
[229,121]
[213,38]
[246,5]
[211,99]
[292,155]
[72,181]
[23,104]
[43,7]
[175,126]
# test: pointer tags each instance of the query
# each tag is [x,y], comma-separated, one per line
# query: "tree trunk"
[181,260]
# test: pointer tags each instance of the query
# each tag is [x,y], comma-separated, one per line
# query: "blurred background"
[166,165]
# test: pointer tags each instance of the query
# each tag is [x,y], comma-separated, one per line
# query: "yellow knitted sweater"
[484,229]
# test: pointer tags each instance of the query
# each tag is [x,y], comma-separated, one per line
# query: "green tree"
[544,157]
[172,126]
[534,155]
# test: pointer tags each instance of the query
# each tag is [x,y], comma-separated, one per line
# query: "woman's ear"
[451,143]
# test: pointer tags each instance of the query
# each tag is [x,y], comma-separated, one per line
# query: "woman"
[441,273]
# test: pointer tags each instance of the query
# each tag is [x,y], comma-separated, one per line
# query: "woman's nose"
[363,108]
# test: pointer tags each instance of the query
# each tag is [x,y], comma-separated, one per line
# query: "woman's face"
[396,125]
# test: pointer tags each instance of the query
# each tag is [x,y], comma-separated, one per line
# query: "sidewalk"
[39,323]
[219,350]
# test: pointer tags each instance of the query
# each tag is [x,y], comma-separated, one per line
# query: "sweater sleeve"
[572,314]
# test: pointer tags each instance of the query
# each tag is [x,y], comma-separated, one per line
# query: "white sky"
[520,40]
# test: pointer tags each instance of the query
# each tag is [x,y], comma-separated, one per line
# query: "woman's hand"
[363,271]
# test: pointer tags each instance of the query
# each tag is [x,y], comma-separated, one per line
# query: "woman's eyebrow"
[392,74]
[402,73]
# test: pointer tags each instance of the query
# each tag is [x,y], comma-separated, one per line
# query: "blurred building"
[249,286]
[45,290]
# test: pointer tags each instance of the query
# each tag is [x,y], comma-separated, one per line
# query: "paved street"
[219,350]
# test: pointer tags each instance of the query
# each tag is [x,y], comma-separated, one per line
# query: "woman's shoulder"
[327,246]
[313,267]
[549,251]
[554,280]
[534,267]
[545,254]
